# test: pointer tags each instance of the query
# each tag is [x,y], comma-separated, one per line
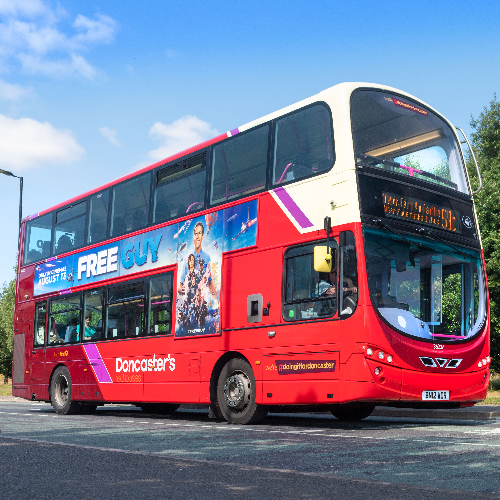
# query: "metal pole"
[20,204]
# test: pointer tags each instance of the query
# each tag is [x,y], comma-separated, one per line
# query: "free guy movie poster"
[195,245]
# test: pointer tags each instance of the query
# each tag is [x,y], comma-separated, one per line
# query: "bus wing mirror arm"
[475,161]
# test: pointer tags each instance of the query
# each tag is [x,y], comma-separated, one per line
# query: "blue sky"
[90,91]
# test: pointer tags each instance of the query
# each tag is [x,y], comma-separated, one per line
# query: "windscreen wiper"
[385,225]
[372,161]
[432,236]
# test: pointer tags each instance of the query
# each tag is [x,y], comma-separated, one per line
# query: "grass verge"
[5,389]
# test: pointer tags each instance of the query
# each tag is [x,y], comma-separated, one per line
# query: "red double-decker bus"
[326,254]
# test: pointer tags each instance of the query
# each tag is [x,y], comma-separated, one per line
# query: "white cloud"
[34,35]
[10,92]
[27,143]
[110,134]
[179,135]
[100,30]
[73,65]
[29,8]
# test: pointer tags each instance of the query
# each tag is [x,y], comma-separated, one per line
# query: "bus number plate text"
[435,395]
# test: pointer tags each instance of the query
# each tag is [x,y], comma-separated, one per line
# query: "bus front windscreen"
[398,135]
[423,288]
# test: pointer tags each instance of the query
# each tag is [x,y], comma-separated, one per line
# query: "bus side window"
[239,165]
[70,228]
[40,324]
[98,217]
[180,189]
[308,294]
[349,274]
[130,205]
[92,318]
[38,238]
[303,144]
[125,311]
[64,326]
[160,305]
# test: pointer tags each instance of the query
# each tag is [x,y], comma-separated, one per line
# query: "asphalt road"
[120,452]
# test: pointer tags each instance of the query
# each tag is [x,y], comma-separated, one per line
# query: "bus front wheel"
[60,393]
[352,412]
[236,394]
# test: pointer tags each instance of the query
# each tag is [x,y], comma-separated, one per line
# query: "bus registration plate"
[436,395]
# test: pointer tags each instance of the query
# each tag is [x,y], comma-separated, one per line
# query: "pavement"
[478,412]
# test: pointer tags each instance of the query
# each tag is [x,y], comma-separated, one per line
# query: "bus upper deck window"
[180,189]
[130,205]
[239,165]
[70,228]
[400,136]
[98,217]
[38,238]
[303,144]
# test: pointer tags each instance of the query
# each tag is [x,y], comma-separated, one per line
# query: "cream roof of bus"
[337,97]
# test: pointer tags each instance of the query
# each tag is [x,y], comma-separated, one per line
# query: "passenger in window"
[89,331]
[33,256]
[64,244]
[72,331]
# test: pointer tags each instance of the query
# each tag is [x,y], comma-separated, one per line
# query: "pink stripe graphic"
[293,208]
[100,370]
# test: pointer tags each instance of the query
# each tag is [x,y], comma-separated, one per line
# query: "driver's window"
[308,294]
[348,265]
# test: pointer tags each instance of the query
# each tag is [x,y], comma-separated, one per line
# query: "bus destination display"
[413,210]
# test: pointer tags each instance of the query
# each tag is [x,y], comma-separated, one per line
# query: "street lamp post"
[6,172]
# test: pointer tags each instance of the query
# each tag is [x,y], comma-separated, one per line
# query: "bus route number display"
[410,209]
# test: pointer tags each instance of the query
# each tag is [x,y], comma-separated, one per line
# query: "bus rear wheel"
[236,394]
[61,390]
[352,412]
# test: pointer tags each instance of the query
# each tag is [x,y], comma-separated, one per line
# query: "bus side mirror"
[322,259]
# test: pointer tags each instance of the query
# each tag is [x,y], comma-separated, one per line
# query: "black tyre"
[236,394]
[159,408]
[352,412]
[61,390]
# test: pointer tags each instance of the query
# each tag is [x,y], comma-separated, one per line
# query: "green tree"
[486,145]
[7,299]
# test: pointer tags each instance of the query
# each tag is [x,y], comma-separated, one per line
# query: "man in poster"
[197,285]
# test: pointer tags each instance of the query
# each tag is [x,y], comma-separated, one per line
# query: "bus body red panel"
[307,361]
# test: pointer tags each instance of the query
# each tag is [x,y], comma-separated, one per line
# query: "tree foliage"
[486,145]
[7,299]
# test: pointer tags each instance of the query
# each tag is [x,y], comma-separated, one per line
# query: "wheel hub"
[62,390]
[236,391]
